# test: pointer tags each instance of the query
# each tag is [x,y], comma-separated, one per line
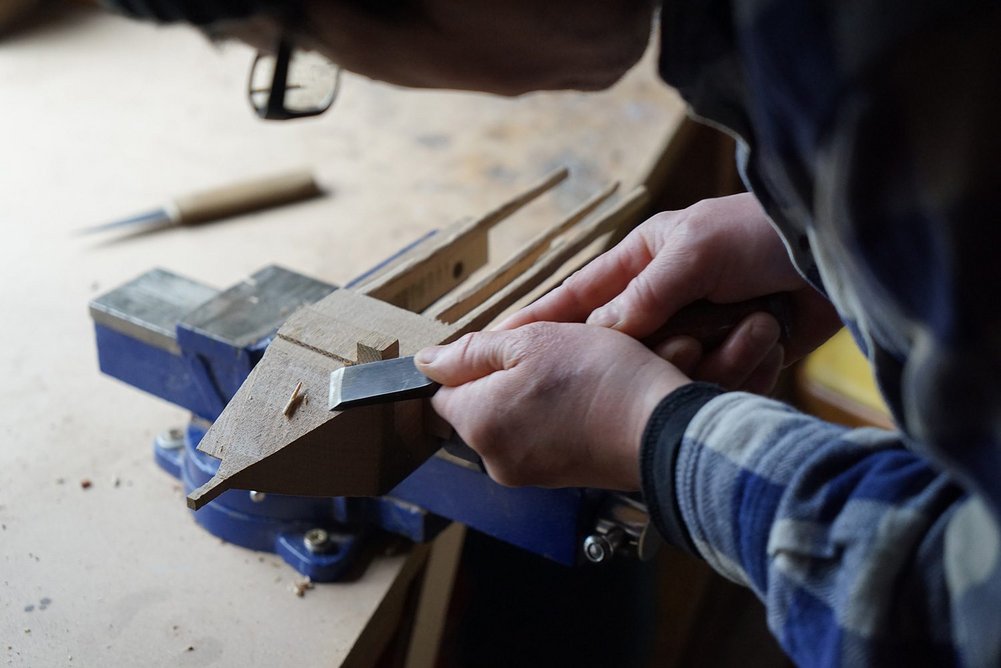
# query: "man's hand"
[723,250]
[552,405]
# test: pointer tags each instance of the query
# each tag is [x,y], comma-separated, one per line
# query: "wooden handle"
[711,323]
[239,198]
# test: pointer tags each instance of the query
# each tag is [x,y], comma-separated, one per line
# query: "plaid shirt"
[869,131]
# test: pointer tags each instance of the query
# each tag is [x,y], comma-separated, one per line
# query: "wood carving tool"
[711,323]
[378,382]
[222,202]
[398,379]
[392,380]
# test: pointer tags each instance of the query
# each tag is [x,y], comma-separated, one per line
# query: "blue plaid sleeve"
[863,553]
[869,131]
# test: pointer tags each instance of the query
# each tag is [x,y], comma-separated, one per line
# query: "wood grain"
[451,256]
[112,606]
[625,211]
[374,347]
[251,195]
[359,452]
[453,308]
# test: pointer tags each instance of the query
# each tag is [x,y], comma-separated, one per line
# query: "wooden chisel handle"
[238,198]
[711,323]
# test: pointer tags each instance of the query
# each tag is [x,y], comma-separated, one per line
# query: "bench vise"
[194,346]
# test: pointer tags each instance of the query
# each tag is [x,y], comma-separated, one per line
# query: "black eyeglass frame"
[274,109]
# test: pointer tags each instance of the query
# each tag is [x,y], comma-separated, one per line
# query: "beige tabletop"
[102,118]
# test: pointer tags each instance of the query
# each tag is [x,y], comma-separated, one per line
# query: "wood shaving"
[300,588]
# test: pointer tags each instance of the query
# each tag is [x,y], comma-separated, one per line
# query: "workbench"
[101,562]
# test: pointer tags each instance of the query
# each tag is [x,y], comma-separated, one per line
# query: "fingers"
[763,379]
[634,288]
[739,358]
[651,297]
[684,352]
[568,408]
[471,357]
[587,289]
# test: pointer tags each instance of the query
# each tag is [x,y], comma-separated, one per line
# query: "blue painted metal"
[149,368]
[274,523]
[278,523]
[548,522]
[217,367]
[199,368]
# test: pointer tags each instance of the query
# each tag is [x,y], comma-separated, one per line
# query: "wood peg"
[293,401]
[376,347]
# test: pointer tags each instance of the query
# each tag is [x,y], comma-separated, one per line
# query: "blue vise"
[193,346]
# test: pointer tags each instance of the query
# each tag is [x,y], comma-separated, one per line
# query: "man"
[868,134]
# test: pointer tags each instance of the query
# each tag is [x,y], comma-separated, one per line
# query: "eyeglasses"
[292,84]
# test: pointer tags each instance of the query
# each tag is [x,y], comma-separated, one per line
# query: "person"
[867,133]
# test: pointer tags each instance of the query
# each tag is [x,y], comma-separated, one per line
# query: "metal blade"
[378,382]
[148,218]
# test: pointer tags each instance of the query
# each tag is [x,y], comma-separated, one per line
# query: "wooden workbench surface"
[103,118]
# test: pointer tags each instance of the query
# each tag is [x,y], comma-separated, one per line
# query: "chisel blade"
[155,217]
[395,379]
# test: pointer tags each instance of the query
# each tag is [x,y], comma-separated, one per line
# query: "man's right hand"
[723,250]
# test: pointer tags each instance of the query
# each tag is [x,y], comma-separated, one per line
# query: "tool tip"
[336,381]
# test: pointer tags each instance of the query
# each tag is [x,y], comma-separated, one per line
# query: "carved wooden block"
[277,434]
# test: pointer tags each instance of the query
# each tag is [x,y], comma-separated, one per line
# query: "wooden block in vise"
[360,452]
[374,347]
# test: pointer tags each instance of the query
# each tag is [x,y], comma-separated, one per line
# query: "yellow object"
[838,378]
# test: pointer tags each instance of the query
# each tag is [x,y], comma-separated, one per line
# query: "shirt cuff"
[658,453]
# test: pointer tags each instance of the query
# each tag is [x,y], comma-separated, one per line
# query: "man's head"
[500,46]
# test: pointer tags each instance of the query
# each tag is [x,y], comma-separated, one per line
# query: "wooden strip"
[488,220]
[425,278]
[384,624]
[456,307]
[435,596]
[582,236]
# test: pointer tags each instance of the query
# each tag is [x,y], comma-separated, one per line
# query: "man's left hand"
[551,404]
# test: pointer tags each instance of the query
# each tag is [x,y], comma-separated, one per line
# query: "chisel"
[223,202]
[398,379]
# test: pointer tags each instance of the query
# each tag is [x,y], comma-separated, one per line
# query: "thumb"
[470,358]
